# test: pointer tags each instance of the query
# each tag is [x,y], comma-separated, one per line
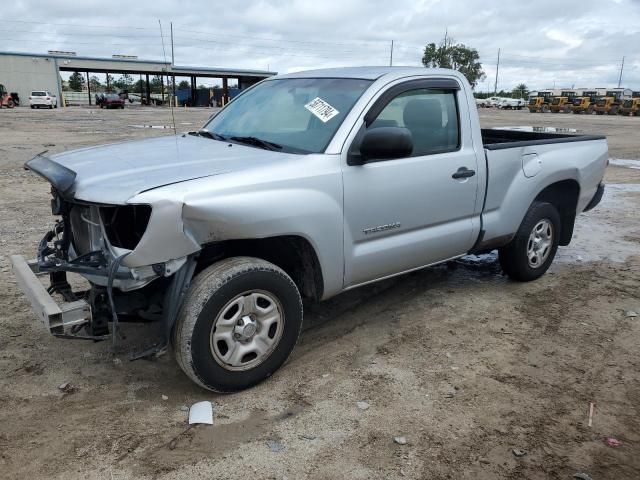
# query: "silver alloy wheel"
[247,330]
[540,243]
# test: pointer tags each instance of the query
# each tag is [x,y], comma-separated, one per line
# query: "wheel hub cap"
[540,243]
[247,330]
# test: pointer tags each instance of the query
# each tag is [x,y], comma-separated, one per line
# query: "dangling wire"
[113,269]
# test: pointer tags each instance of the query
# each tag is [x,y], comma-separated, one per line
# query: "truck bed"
[501,138]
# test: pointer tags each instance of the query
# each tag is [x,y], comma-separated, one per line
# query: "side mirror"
[384,143]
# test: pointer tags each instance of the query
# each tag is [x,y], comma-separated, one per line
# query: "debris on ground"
[307,437]
[325,375]
[591,409]
[164,397]
[363,405]
[519,452]
[612,442]
[275,445]
[184,408]
[400,440]
[631,314]
[66,388]
[201,412]
[582,476]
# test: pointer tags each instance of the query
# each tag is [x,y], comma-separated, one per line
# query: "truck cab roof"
[369,73]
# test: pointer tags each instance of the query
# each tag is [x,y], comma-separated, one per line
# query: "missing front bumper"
[55,317]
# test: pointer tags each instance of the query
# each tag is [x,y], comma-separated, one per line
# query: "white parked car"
[43,98]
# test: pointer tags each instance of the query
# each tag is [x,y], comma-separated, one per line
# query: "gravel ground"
[463,363]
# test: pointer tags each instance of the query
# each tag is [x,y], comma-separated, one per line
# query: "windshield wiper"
[211,135]
[257,142]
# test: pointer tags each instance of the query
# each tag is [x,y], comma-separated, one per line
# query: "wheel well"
[292,253]
[564,196]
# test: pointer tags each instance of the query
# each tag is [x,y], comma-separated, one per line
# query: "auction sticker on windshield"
[321,109]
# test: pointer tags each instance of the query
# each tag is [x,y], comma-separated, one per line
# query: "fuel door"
[531,164]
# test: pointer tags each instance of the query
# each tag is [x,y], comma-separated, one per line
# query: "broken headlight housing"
[124,225]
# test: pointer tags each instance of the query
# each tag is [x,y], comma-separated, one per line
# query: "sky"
[544,44]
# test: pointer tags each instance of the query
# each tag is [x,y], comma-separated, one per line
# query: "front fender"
[311,214]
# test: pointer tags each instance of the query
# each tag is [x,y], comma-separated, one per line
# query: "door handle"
[463,172]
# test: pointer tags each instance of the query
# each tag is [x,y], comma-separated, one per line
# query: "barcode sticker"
[321,109]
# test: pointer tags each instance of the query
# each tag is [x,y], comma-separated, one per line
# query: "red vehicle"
[109,100]
[7,99]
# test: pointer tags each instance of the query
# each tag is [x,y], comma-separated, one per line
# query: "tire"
[10,104]
[213,304]
[32,107]
[514,257]
[613,111]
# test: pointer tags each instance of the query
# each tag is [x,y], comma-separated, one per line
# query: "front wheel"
[239,322]
[530,253]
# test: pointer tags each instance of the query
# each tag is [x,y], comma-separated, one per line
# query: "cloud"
[577,42]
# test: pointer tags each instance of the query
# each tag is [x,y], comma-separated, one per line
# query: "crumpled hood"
[115,173]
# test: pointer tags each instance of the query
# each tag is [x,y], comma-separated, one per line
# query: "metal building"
[24,72]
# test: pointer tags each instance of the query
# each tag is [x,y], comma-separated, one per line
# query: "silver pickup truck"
[306,185]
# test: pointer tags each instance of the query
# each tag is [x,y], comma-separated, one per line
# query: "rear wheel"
[240,321]
[10,103]
[530,253]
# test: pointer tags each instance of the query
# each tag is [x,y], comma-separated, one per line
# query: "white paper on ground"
[201,412]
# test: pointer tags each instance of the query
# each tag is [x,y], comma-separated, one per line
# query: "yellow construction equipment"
[540,101]
[562,103]
[612,100]
[587,102]
[631,106]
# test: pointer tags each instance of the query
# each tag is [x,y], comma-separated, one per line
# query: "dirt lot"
[464,363]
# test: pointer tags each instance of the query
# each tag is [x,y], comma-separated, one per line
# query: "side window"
[430,115]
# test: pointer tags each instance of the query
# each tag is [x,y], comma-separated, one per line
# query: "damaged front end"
[93,240]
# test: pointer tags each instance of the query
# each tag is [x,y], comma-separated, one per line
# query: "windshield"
[299,115]
[112,96]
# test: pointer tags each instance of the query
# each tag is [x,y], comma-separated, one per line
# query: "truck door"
[405,213]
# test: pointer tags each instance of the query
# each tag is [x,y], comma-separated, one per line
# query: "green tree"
[94,83]
[184,85]
[125,82]
[456,56]
[140,86]
[156,84]
[520,91]
[76,82]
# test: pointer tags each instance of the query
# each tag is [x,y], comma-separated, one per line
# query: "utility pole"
[621,69]
[391,55]
[173,77]
[172,59]
[495,87]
